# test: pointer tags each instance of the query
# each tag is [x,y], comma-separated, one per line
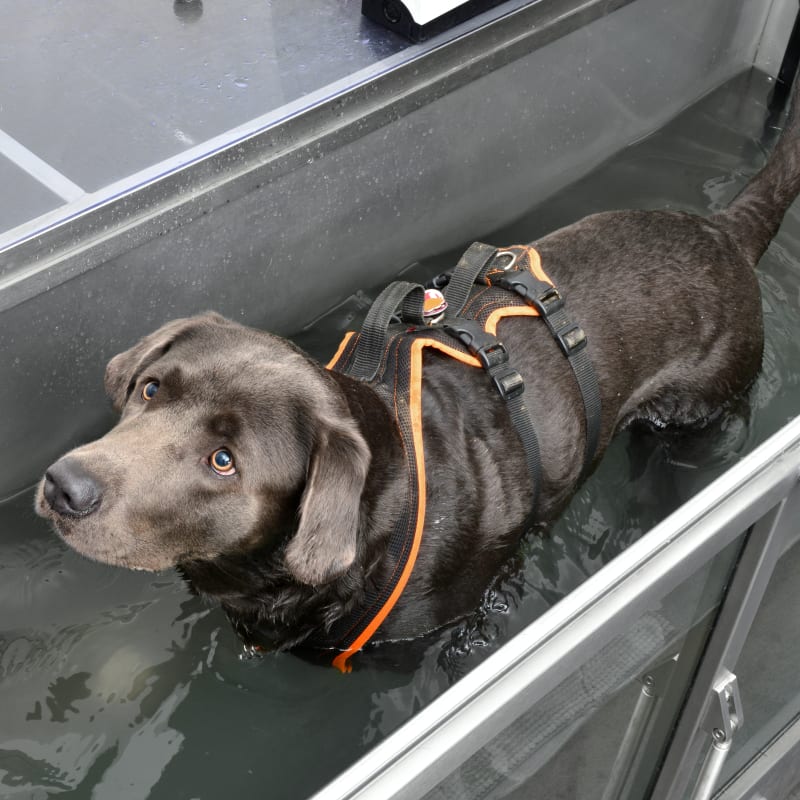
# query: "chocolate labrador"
[273,484]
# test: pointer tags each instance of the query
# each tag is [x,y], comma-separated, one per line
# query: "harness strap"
[492,354]
[374,337]
[466,272]
[547,300]
[391,356]
[400,387]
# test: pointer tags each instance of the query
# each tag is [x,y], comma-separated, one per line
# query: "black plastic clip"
[509,384]
[543,296]
[571,339]
[492,354]
[548,302]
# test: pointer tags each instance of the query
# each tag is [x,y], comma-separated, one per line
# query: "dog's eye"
[149,390]
[222,462]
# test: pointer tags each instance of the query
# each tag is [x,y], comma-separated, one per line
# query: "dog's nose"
[70,489]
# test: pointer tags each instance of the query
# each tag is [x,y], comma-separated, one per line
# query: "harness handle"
[465,273]
[409,298]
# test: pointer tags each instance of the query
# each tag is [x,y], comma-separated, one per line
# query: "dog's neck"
[384,492]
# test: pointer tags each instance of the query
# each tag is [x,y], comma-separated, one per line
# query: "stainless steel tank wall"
[277,228]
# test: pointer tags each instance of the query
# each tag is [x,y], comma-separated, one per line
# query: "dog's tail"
[754,216]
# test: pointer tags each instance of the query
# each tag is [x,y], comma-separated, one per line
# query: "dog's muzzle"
[70,490]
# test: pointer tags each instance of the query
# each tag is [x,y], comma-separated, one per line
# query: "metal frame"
[456,725]
[774,774]
[86,233]
[766,544]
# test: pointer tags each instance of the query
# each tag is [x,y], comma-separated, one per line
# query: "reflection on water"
[117,684]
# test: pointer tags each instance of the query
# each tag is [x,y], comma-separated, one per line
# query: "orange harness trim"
[417,347]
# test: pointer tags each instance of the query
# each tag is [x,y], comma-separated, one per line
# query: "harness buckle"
[571,339]
[492,354]
[510,384]
[489,350]
[543,296]
[548,302]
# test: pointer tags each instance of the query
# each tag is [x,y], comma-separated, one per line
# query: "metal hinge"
[725,718]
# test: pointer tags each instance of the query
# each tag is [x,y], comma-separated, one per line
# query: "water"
[121,685]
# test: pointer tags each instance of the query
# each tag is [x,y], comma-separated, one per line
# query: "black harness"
[487,285]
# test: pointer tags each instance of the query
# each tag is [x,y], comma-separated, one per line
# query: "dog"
[273,484]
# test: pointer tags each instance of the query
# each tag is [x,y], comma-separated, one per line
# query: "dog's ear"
[125,368]
[325,544]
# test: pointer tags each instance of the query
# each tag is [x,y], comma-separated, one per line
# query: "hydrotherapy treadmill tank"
[603,664]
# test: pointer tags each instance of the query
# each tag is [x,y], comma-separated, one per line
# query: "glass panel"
[795,794]
[609,713]
[769,681]
[177,75]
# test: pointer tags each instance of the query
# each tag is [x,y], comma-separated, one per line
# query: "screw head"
[718,734]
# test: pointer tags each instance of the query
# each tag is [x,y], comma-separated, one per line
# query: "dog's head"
[229,440]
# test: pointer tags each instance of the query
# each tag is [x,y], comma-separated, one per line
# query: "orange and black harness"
[487,285]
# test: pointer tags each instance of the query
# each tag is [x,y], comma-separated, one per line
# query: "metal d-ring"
[500,253]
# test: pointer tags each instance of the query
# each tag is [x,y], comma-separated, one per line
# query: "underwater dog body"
[273,484]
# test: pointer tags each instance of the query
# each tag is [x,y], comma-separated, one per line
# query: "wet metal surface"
[102,98]
[102,95]
[28,199]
